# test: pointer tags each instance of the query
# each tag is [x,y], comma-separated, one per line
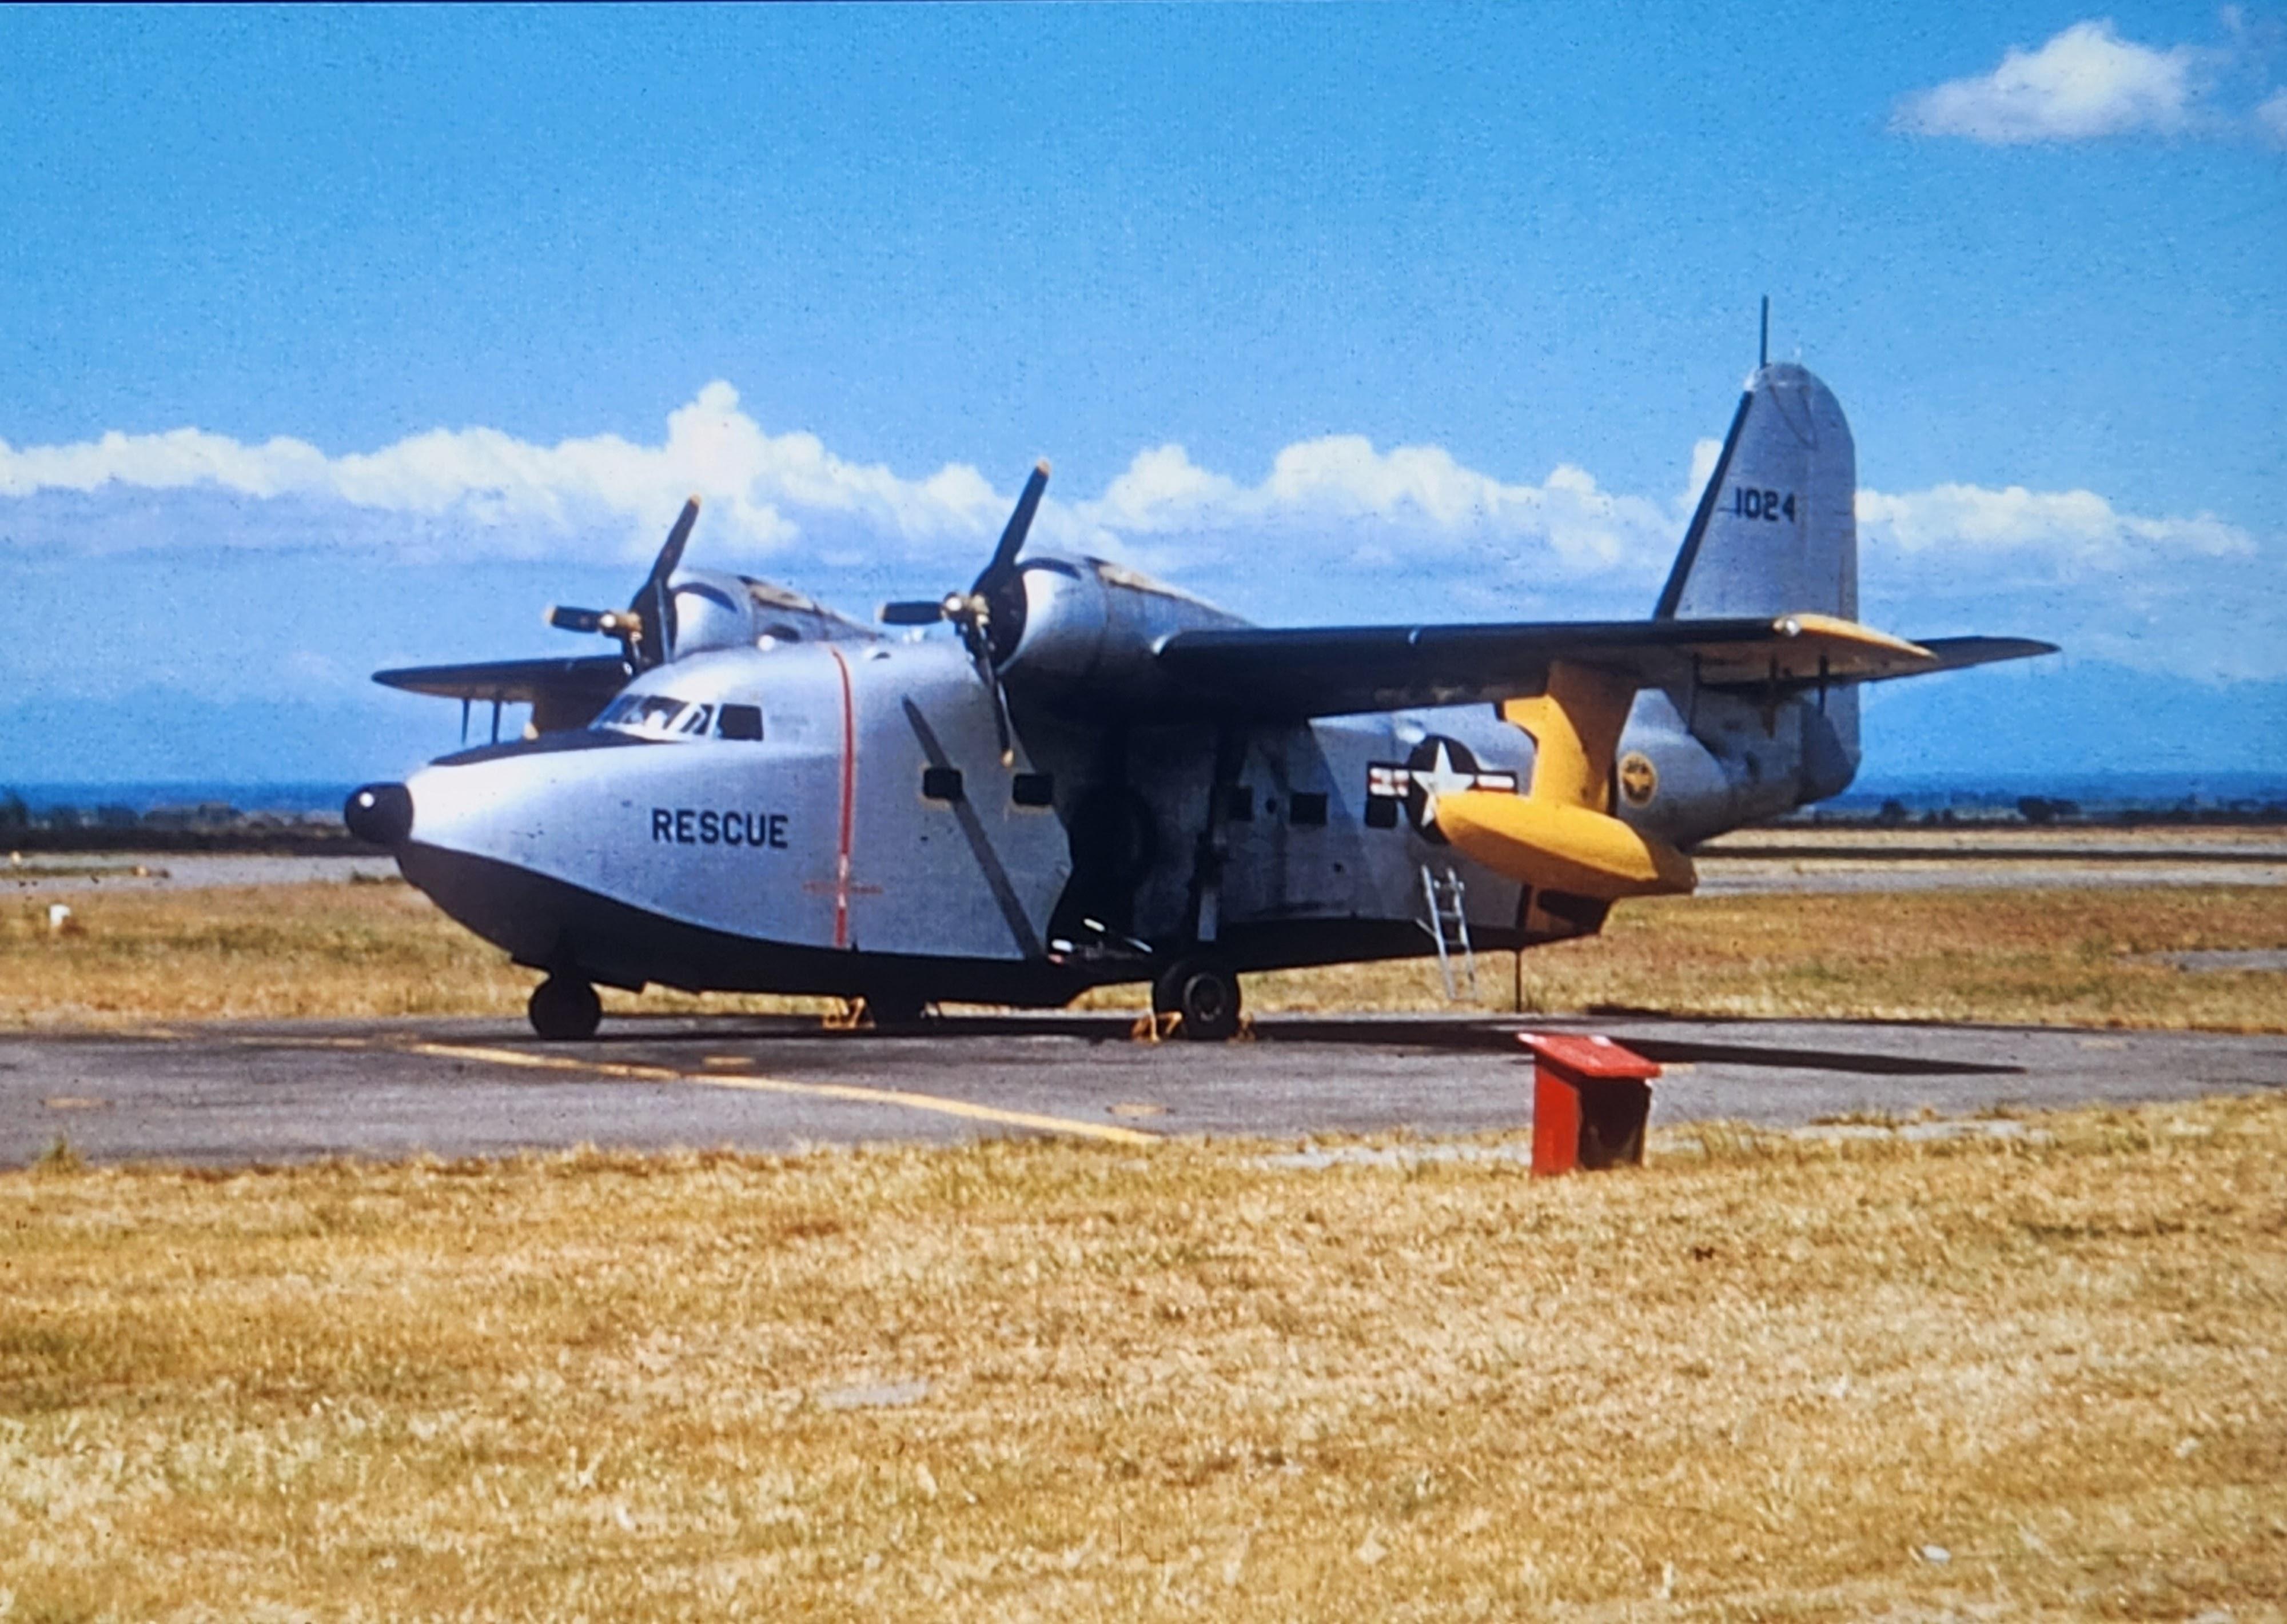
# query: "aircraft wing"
[563,693]
[1335,671]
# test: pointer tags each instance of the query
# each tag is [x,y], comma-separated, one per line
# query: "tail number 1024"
[1771,505]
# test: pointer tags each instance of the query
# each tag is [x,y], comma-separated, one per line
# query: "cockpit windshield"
[664,716]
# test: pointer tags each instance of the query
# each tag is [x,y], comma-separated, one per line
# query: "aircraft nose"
[381,814]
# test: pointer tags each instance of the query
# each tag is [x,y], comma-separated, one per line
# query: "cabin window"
[695,720]
[1307,809]
[1033,790]
[941,783]
[739,721]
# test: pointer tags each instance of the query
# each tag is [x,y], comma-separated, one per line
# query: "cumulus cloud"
[502,488]
[2067,527]
[1368,501]
[2073,567]
[787,498]
[1335,528]
[2085,82]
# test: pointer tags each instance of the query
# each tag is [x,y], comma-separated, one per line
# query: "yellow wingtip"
[1837,628]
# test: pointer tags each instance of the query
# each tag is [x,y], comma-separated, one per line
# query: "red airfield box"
[1591,1100]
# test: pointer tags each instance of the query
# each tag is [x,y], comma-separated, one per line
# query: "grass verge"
[2041,956]
[2033,1377]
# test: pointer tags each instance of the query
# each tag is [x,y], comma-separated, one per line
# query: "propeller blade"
[990,616]
[992,680]
[1020,523]
[652,638]
[671,555]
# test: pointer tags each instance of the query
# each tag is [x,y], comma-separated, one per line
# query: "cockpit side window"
[664,716]
[655,715]
[740,721]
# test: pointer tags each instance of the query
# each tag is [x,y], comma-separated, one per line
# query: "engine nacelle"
[1091,631]
[717,610]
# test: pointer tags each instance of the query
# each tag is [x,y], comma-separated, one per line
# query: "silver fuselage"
[837,853]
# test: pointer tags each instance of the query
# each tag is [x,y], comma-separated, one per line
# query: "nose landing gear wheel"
[565,1009]
[1205,994]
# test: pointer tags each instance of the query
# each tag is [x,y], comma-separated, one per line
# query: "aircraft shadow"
[1669,1053]
[1496,1036]
[1477,1035]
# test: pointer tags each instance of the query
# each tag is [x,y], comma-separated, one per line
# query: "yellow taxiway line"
[937,1103]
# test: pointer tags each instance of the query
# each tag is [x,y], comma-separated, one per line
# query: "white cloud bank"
[2085,82]
[776,491]
[504,488]
[1408,501]
[785,497]
[2068,528]
[1334,525]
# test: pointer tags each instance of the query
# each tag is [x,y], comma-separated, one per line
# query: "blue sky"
[340,338]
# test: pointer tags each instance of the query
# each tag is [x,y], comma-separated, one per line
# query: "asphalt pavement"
[230,1095]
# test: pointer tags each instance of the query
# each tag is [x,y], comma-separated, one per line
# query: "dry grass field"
[266,952]
[2042,1376]
[2046,957]
[2051,957]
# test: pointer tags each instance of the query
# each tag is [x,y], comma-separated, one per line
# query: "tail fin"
[1776,532]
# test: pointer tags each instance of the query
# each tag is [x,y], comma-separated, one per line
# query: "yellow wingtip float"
[1560,834]
[1555,848]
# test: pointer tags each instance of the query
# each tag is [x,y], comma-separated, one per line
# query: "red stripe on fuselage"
[848,802]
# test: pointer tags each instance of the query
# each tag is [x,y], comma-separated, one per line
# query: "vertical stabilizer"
[1775,529]
[1776,532]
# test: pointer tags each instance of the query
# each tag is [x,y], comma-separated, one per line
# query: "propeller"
[991,614]
[646,627]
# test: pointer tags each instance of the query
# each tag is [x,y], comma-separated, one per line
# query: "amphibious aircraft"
[1096,778]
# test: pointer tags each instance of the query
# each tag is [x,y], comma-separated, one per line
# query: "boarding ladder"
[1449,929]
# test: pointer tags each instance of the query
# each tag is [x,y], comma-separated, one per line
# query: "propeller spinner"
[646,627]
[991,614]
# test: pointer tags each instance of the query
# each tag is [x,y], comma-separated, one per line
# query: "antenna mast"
[1763,354]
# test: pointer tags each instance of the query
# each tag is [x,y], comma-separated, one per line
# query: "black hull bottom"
[548,925]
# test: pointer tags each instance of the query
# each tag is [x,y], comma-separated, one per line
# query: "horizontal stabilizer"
[513,681]
[563,693]
[1336,671]
[1960,653]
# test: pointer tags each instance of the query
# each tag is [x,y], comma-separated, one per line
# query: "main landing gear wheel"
[1205,994]
[893,1011]
[565,1009]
